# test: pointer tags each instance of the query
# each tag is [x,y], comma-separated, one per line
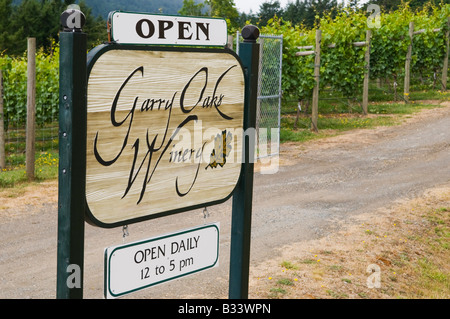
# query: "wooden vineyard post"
[2,128]
[242,196]
[315,98]
[366,73]
[408,63]
[316,52]
[72,158]
[445,64]
[230,42]
[300,102]
[31,108]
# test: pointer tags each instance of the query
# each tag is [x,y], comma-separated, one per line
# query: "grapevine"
[15,87]
[342,65]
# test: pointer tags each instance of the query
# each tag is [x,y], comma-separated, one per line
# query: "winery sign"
[147,129]
[164,130]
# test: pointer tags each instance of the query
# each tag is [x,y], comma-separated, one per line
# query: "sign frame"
[169,43]
[92,57]
[72,164]
[109,252]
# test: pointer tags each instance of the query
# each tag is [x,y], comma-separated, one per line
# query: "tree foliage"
[40,19]
[392,5]
[103,7]
[191,8]
[224,9]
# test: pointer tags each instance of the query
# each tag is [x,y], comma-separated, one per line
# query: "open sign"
[135,28]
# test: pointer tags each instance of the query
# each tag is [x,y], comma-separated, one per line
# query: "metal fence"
[269,94]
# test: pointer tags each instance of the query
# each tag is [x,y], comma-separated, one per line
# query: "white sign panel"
[142,264]
[138,28]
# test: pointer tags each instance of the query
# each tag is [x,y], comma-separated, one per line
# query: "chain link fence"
[269,94]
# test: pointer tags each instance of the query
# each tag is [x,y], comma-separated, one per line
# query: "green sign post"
[72,149]
[243,195]
[72,200]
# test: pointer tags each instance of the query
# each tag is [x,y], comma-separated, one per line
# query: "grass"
[285,282]
[329,125]
[46,155]
[288,265]
[334,115]
[410,245]
[46,167]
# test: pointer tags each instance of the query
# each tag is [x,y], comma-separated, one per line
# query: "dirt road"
[320,188]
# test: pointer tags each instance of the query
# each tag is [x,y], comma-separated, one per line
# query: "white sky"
[247,5]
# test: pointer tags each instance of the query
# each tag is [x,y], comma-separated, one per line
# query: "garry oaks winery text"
[162,126]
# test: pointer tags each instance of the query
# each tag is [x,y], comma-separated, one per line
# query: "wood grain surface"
[155,129]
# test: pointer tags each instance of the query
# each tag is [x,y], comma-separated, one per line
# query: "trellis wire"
[46,136]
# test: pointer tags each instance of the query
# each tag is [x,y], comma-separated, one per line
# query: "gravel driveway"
[320,186]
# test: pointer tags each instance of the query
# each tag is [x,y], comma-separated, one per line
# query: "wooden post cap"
[250,33]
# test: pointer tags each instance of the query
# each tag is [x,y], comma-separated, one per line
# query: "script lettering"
[147,155]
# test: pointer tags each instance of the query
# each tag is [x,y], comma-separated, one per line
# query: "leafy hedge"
[15,88]
[342,67]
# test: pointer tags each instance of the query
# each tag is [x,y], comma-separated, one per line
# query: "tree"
[419,4]
[392,5]
[247,17]
[268,10]
[190,8]
[224,9]
[40,19]
[95,27]
[353,4]
[387,5]
[308,11]
[29,20]
[295,12]
[5,23]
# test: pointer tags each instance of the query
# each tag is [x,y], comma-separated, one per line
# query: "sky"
[247,5]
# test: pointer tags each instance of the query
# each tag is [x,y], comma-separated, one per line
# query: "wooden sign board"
[141,28]
[164,131]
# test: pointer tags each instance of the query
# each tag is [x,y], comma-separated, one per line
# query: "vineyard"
[343,66]
[13,103]
[394,49]
[15,88]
